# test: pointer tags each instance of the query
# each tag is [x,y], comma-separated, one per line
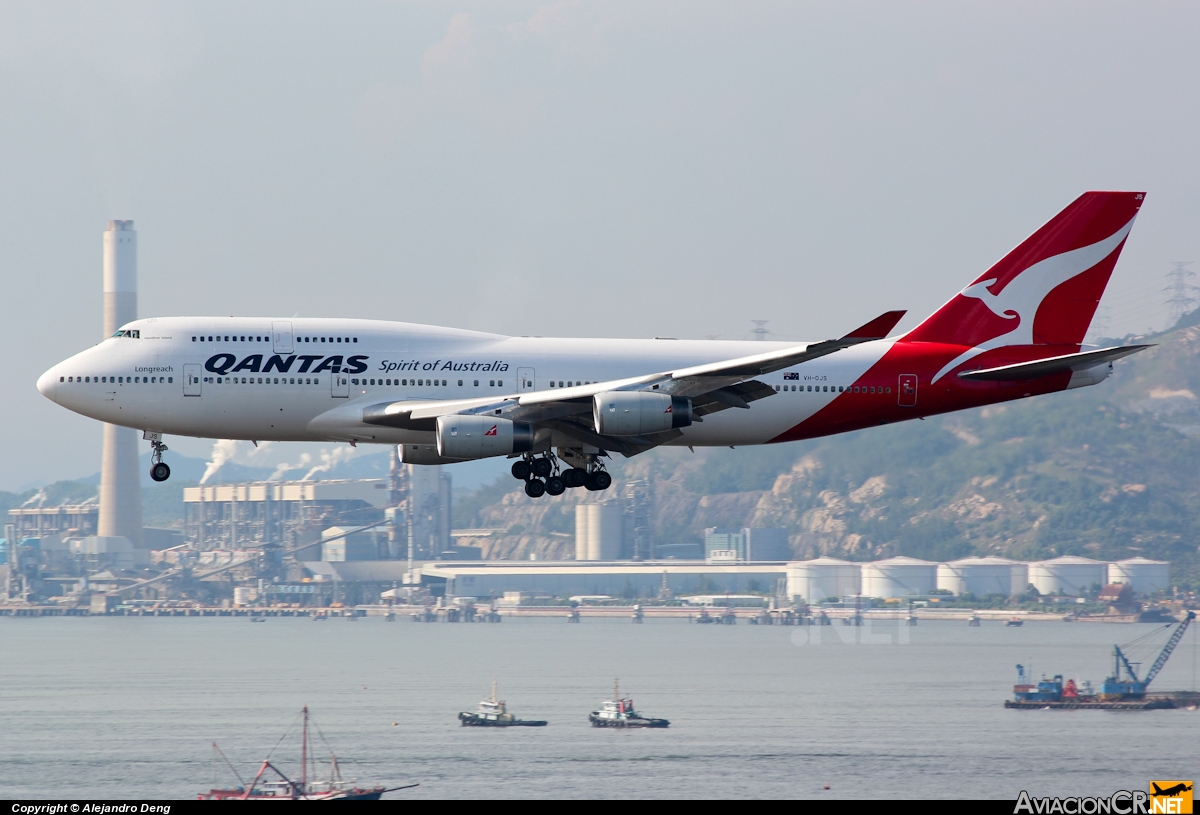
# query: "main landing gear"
[159,471]
[542,475]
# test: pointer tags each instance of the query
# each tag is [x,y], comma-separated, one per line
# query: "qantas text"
[223,364]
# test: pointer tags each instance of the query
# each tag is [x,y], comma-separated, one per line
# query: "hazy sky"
[629,169]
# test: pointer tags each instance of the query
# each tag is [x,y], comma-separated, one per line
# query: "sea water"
[127,707]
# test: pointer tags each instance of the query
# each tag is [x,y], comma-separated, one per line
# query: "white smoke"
[284,468]
[222,453]
[258,449]
[38,498]
[329,460]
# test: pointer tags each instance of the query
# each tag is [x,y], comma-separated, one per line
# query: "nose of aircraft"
[48,383]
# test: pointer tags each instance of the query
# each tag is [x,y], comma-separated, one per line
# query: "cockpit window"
[130,332]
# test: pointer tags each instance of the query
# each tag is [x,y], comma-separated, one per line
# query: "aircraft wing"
[712,387]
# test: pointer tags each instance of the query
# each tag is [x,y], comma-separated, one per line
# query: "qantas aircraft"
[560,407]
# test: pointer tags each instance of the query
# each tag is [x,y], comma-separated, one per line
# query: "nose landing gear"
[159,471]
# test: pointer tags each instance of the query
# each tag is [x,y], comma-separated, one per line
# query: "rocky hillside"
[1106,472]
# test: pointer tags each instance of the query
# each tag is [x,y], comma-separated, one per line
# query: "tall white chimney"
[120,483]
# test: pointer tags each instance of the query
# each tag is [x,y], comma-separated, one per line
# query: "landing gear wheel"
[598,480]
[521,470]
[158,470]
[574,477]
[555,485]
[535,488]
[542,467]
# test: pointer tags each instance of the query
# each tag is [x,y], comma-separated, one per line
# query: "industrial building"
[486,579]
[746,545]
[299,514]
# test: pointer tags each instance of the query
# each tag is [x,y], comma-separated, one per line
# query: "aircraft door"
[908,390]
[192,380]
[341,386]
[281,336]
[525,379]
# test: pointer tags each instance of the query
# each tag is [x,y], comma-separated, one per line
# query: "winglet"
[878,328]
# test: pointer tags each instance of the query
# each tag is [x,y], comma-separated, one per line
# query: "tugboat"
[494,713]
[618,712]
[283,788]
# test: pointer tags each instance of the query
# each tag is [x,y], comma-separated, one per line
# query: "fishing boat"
[619,712]
[272,784]
[494,713]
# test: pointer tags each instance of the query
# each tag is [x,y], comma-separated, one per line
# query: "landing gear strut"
[542,475]
[159,471]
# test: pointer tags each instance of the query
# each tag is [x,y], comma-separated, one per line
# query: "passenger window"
[887,390]
[500,382]
[193,339]
[356,339]
[491,383]
[477,383]
[552,383]
[170,379]
[460,383]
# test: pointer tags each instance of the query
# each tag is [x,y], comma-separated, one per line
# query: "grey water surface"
[114,707]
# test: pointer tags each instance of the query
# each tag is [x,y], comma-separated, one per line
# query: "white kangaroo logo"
[1019,300]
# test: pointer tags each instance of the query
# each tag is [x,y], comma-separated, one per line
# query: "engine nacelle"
[472,436]
[636,413]
[422,454]
[1090,376]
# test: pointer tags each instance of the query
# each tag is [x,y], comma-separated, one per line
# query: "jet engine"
[422,454]
[636,413]
[1090,376]
[472,436]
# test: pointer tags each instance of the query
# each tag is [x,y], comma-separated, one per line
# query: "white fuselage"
[310,379]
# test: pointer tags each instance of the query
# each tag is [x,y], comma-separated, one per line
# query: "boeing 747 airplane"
[560,407]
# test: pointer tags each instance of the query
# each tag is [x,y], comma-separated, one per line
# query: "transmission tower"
[760,330]
[639,508]
[1098,330]
[1181,300]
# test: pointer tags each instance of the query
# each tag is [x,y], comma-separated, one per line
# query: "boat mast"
[304,756]
[493,691]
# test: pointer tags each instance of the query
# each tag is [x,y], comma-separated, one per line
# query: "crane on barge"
[1123,690]
[1129,686]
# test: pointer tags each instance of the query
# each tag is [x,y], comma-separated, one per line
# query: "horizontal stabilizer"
[878,328]
[1052,365]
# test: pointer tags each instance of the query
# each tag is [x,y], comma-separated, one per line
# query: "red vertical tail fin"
[1045,291]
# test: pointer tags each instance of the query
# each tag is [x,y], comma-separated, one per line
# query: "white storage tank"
[1144,575]
[980,576]
[823,578]
[598,531]
[898,577]
[1068,575]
